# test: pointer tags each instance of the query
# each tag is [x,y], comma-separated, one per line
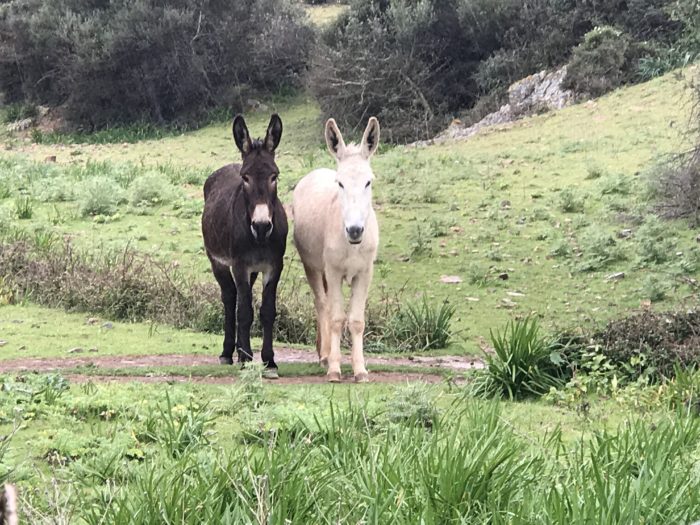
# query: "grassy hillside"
[545,201]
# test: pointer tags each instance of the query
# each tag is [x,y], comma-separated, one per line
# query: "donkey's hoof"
[333,377]
[270,373]
[223,360]
[323,362]
[362,378]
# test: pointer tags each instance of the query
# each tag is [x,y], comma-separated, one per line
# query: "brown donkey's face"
[259,173]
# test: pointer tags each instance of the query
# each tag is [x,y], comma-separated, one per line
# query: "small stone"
[615,276]
[473,299]
[92,320]
[516,294]
[503,276]
[107,325]
[505,204]
[93,350]
[2,342]
[450,279]
[624,234]
[76,350]
[50,158]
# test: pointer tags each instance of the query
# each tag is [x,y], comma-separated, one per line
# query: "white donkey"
[336,234]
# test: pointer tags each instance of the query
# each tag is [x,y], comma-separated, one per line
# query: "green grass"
[196,453]
[528,164]
[34,332]
[219,371]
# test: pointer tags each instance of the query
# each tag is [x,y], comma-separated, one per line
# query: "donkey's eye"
[273,179]
[246,179]
[341,185]
[368,183]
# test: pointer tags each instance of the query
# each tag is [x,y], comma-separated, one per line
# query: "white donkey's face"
[354,176]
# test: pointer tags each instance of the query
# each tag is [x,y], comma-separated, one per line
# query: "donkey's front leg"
[337,323]
[244,313]
[356,323]
[268,312]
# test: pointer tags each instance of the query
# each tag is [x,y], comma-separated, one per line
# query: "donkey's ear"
[274,133]
[334,140]
[241,135]
[370,140]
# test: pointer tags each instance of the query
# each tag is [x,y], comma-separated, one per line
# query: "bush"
[422,326]
[151,189]
[55,189]
[571,201]
[654,244]
[523,364]
[126,61]
[599,64]
[100,196]
[664,339]
[415,64]
[599,250]
[677,189]
[413,403]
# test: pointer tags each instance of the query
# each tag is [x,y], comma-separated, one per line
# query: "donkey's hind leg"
[318,287]
[228,297]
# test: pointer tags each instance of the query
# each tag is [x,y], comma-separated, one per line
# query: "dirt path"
[282,355]
[375,377]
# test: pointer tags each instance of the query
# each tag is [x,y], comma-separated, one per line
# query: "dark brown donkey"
[245,233]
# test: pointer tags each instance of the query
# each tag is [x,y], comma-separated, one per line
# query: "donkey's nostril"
[261,230]
[354,232]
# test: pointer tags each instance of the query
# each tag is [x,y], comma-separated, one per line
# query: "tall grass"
[355,466]
[524,363]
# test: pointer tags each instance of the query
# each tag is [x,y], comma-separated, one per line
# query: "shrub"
[110,63]
[20,111]
[683,390]
[422,326]
[151,189]
[654,244]
[655,288]
[664,339]
[571,201]
[413,403]
[24,207]
[599,250]
[54,189]
[599,63]
[100,196]
[677,190]
[523,364]
[415,64]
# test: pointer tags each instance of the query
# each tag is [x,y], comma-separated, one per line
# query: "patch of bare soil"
[375,377]
[282,356]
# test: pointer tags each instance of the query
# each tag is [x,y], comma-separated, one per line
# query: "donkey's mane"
[257,144]
[353,149]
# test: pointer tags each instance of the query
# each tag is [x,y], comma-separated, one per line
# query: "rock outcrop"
[537,93]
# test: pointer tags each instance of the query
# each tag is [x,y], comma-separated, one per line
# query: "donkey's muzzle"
[354,234]
[261,230]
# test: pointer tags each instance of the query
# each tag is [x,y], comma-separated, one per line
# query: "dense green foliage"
[135,454]
[524,363]
[415,64]
[107,63]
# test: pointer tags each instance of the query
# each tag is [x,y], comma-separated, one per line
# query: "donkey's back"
[223,181]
